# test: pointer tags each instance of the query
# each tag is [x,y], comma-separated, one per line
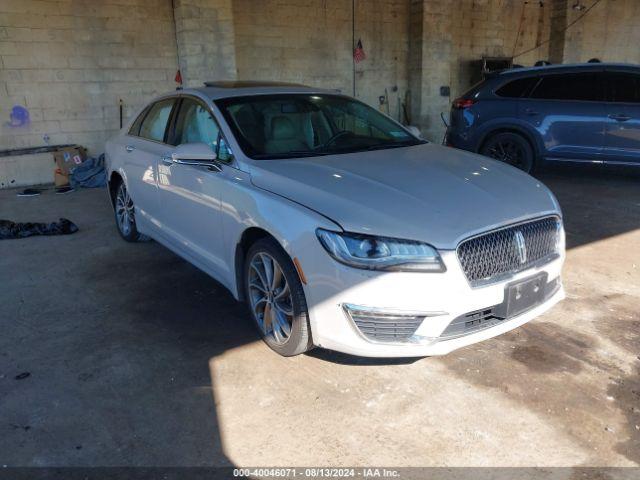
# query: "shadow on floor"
[118,338]
[597,202]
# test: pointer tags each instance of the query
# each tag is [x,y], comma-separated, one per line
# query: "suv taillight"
[463,102]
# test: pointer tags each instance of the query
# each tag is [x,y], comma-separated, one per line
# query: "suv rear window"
[572,86]
[624,87]
[517,88]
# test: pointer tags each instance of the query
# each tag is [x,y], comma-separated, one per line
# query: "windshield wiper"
[317,153]
[291,154]
[382,146]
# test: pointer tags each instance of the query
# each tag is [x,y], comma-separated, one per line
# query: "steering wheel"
[335,137]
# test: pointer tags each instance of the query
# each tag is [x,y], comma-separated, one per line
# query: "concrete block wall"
[302,41]
[311,42]
[498,28]
[382,25]
[25,170]
[69,62]
[431,66]
[205,39]
[610,31]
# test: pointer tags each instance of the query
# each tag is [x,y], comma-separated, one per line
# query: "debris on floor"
[65,189]
[10,230]
[30,192]
[67,159]
[89,174]
[75,168]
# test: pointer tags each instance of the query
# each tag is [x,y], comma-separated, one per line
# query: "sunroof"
[249,84]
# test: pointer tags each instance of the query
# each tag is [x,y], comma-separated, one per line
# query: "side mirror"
[415,131]
[196,154]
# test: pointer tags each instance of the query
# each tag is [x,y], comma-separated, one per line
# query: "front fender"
[293,226]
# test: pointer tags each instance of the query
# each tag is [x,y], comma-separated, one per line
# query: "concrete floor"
[137,358]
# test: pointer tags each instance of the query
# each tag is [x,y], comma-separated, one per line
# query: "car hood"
[425,192]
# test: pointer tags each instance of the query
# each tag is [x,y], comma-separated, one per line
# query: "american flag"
[358,52]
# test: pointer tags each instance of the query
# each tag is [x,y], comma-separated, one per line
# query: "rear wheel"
[510,148]
[276,298]
[125,216]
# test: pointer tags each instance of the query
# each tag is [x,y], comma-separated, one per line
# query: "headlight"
[380,253]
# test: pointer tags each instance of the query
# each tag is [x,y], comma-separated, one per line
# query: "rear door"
[622,141]
[144,144]
[568,111]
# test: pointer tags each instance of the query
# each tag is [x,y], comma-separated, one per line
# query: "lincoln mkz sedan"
[338,226]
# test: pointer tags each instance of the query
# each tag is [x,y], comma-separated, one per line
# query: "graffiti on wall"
[18,117]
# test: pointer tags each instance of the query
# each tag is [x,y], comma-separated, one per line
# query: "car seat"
[283,137]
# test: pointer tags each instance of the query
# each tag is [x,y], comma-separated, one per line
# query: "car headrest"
[282,128]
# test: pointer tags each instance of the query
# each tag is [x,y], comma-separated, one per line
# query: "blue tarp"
[89,174]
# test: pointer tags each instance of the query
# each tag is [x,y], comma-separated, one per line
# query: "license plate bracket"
[522,295]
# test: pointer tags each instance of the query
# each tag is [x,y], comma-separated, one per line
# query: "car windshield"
[305,125]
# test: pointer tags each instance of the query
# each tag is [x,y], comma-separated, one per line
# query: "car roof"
[568,68]
[216,90]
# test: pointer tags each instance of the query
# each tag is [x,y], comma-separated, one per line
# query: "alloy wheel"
[270,297]
[124,211]
[508,152]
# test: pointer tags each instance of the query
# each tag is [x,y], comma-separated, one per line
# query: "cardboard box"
[68,158]
[59,178]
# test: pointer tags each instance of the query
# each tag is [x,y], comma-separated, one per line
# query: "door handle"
[167,160]
[530,111]
[129,148]
[619,117]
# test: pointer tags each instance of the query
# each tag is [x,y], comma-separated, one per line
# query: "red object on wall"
[178,78]
[358,52]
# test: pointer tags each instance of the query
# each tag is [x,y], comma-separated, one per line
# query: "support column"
[205,38]
[431,50]
[558,29]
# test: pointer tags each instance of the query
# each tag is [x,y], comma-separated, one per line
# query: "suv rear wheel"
[511,148]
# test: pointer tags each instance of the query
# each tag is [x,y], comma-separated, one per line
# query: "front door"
[622,142]
[190,196]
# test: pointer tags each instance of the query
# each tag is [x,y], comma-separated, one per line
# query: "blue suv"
[560,113]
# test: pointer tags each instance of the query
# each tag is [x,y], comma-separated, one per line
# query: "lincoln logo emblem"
[521,247]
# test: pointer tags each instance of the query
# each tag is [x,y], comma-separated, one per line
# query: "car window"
[623,87]
[195,124]
[135,126]
[573,86]
[154,124]
[298,125]
[517,88]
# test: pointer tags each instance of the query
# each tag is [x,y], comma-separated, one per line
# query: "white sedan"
[338,226]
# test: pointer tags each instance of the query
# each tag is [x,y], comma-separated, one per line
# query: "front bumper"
[440,297]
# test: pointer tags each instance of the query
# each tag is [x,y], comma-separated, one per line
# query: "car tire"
[124,212]
[511,148]
[276,299]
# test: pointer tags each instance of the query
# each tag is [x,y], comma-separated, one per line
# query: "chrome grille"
[494,255]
